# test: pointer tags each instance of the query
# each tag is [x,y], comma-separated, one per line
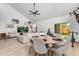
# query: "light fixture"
[75,14]
[34,12]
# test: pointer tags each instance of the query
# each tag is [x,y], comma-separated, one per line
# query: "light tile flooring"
[11,47]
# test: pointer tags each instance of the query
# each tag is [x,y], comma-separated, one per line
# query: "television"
[22,29]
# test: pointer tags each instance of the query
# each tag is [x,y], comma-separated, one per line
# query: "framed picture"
[10,25]
[15,21]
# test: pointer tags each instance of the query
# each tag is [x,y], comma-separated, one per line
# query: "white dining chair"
[62,48]
[39,47]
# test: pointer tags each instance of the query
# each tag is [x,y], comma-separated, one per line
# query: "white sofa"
[26,38]
[23,39]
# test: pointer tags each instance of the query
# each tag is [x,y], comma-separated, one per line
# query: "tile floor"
[11,47]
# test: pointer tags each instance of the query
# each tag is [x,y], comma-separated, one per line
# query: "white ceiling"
[46,10]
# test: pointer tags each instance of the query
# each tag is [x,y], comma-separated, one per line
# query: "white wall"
[44,25]
[74,25]
[7,13]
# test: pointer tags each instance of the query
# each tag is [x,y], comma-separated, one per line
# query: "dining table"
[46,38]
[51,40]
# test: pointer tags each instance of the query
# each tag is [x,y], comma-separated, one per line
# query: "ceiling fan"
[73,11]
[34,12]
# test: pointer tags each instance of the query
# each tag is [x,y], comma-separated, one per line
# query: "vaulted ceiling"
[46,10]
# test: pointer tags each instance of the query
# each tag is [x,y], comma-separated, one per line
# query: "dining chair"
[61,48]
[39,47]
[3,36]
[31,46]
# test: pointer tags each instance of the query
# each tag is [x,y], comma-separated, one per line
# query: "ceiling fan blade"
[36,11]
[31,11]
[77,7]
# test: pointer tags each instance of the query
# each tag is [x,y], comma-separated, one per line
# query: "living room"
[19,24]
